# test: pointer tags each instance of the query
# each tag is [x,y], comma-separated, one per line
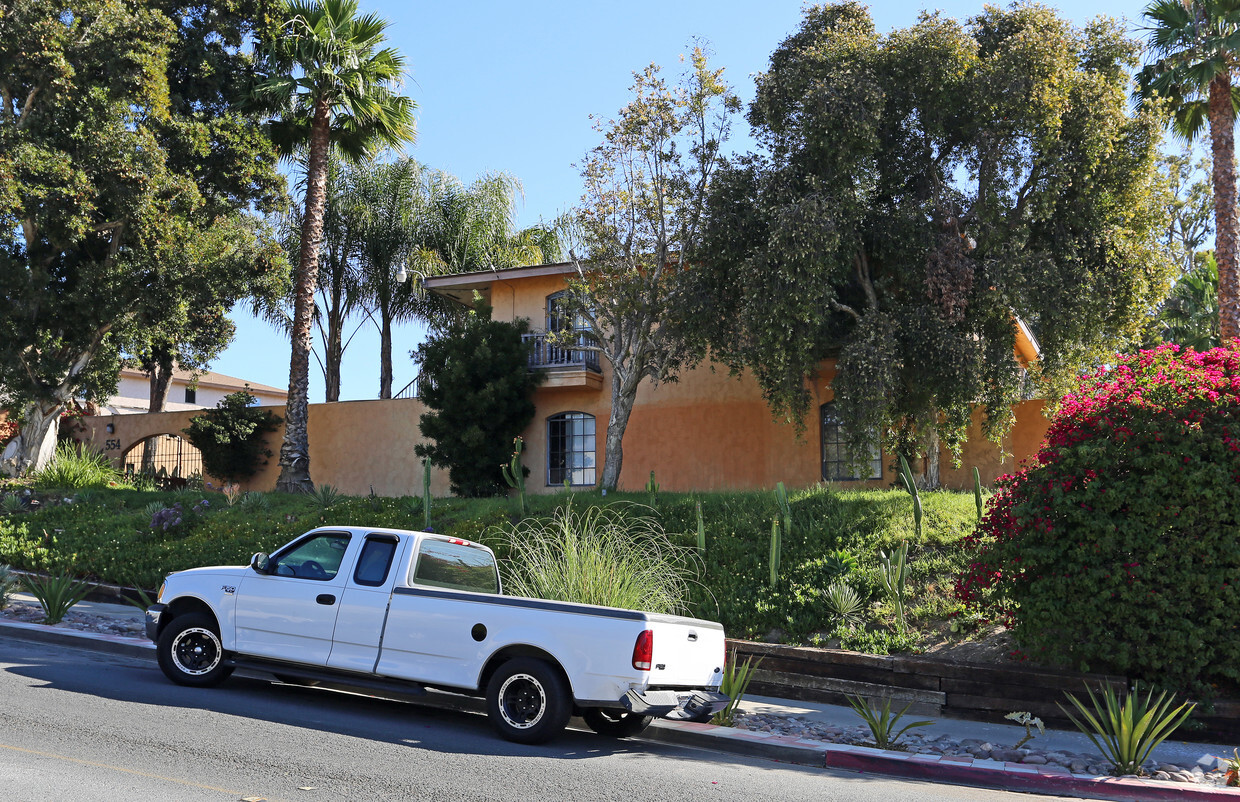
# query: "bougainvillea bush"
[1119,549]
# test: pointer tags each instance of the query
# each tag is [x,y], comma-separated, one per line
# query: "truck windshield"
[449,565]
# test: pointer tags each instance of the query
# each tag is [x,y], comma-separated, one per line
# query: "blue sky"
[504,86]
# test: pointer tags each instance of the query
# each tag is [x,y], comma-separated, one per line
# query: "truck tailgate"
[687,652]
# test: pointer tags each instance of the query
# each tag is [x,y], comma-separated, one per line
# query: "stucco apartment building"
[187,391]
[707,431]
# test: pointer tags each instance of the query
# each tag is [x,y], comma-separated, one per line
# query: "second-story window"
[191,395]
[560,315]
[570,449]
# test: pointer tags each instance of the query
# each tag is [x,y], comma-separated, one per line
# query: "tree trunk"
[332,359]
[35,444]
[295,451]
[385,356]
[1226,228]
[931,477]
[161,384]
[623,394]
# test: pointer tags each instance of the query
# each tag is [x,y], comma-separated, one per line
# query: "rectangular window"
[458,567]
[835,467]
[191,395]
[571,449]
[375,560]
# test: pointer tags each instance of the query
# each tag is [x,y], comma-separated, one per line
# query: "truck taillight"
[643,650]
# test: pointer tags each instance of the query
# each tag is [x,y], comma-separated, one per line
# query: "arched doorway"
[169,458]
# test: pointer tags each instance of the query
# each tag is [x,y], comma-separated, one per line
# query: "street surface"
[77,725]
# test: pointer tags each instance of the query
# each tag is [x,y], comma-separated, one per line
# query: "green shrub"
[476,385]
[1117,550]
[232,437]
[600,555]
[76,466]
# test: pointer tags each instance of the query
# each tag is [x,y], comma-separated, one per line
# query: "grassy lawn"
[106,534]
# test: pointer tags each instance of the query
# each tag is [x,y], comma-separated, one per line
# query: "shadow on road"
[416,725]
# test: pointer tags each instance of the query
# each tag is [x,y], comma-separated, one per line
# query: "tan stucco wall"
[354,445]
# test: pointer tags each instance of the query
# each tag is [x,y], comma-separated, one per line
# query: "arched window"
[835,467]
[570,449]
[560,316]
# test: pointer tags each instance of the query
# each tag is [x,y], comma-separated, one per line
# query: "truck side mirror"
[260,562]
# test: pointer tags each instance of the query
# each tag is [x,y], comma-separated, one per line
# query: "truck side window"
[316,558]
[375,560]
[448,565]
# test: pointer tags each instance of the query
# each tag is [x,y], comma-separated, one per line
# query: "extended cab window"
[376,558]
[316,558]
[449,565]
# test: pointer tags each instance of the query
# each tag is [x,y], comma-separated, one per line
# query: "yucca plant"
[736,679]
[254,500]
[325,497]
[1127,730]
[842,600]
[56,594]
[910,485]
[881,722]
[785,508]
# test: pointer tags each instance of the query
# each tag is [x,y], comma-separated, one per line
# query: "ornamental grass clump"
[610,556]
[1117,550]
[76,466]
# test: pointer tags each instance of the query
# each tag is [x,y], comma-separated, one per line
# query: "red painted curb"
[1114,788]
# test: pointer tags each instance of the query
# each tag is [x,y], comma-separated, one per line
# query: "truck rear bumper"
[693,705]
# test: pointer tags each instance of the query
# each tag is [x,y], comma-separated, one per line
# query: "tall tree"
[329,81]
[921,190]
[1196,47]
[640,224]
[124,164]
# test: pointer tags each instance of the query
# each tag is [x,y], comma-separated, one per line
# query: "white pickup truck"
[391,611]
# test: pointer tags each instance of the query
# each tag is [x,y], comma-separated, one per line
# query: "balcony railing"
[549,355]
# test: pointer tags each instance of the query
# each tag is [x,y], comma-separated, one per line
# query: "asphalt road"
[80,725]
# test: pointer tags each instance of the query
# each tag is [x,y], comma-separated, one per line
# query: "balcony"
[566,366]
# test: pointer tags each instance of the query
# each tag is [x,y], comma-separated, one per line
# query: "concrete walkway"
[956,770]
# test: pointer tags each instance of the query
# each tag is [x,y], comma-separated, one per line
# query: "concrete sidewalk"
[961,770]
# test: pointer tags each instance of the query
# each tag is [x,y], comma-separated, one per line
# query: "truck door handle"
[693,636]
[326,598]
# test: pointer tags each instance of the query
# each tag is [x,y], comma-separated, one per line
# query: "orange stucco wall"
[354,445]
[712,431]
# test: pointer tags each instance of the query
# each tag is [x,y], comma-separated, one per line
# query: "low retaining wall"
[940,688]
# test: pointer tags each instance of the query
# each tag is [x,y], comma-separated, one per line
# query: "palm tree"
[328,81]
[1195,45]
[1189,318]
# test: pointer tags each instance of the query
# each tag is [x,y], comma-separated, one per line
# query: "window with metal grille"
[835,464]
[570,449]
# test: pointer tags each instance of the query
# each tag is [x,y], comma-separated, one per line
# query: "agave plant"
[325,496]
[254,500]
[736,679]
[11,503]
[1127,730]
[881,722]
[8,584]
[56,594]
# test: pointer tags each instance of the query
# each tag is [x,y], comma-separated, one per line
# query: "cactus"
[701,529]
[977,494]
[906,477]
[652,487]
[426,494]
[894,576]
[785,508]
[776,548]
[514,474]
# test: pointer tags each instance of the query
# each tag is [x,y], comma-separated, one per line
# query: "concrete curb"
[781,748]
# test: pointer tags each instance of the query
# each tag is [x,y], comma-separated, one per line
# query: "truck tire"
[190,652]
[615,723]
[527,701]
